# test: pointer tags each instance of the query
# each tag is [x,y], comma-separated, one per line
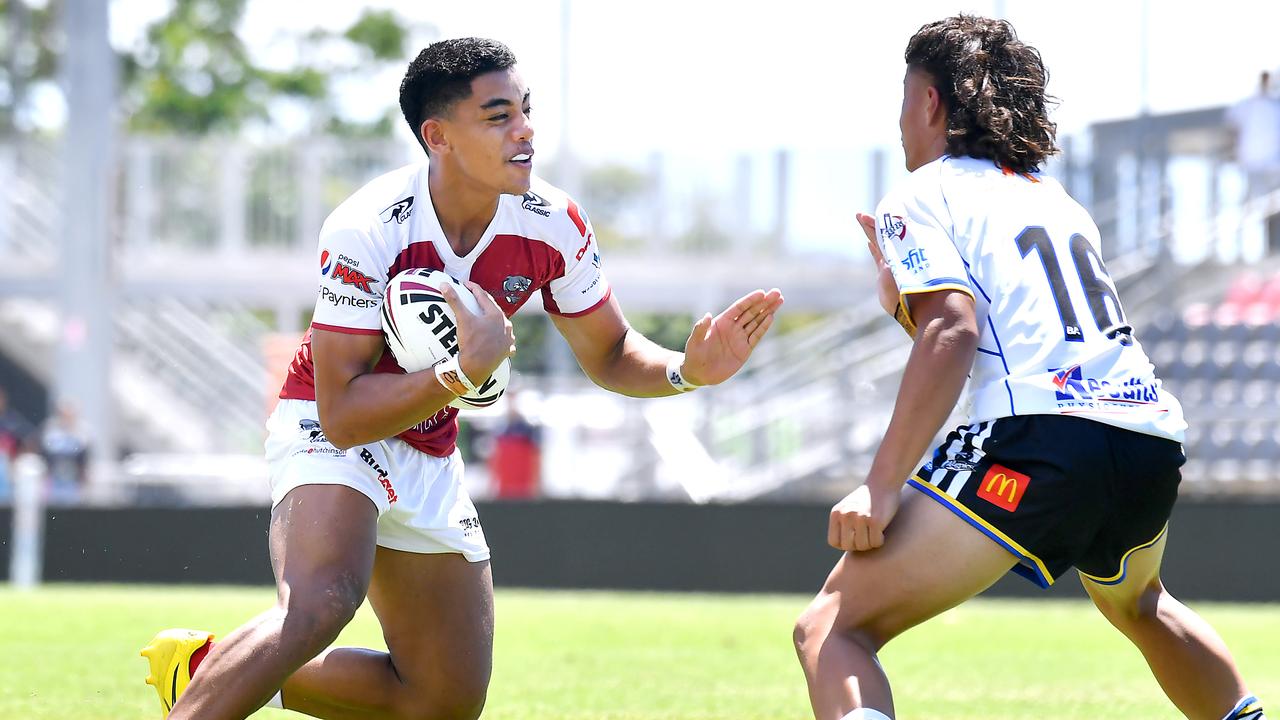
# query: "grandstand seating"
[1222,360]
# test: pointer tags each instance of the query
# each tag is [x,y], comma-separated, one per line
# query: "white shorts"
[423,506]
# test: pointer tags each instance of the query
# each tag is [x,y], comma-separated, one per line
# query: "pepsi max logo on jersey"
[1073,388]
[347,300]
[515,286]
[892,227]
[398,212]
[325,264]
[915,261]
[535,204]
[350,276]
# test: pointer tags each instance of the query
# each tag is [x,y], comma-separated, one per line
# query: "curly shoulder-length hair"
[994,88]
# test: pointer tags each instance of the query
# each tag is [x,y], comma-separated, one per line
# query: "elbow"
[956,333]
[341,442]
[336,433]
[340,438]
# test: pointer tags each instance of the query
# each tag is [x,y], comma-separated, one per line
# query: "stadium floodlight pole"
[26,552]
[82,368]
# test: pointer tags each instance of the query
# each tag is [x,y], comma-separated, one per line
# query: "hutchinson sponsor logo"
[1003,487]
[892,227]
[343,300]
[1074,390]
[383,477]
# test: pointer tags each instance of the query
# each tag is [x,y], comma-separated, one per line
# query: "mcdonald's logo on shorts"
[1003,487]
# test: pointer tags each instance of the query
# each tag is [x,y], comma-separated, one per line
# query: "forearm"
[636,367]
[931,385]
[377,406]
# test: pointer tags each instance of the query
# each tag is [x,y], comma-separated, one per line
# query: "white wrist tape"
[676,378]
[450,375]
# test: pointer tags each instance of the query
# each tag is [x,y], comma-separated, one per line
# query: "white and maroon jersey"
[539,242]
[1054,338]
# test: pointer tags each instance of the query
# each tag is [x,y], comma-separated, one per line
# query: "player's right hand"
[886,286]
[486,338]
[858,521]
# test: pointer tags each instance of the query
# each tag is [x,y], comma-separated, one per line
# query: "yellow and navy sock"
[1247,709]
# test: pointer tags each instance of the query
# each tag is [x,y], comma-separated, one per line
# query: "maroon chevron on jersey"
[541,242]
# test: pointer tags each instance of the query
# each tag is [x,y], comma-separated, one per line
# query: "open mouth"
[523,159]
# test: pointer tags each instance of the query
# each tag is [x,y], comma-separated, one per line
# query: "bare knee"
[828,614]
[1130,610]
[316,612]
[462,701]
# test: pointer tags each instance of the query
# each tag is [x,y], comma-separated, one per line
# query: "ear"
[433,135]
[935,107]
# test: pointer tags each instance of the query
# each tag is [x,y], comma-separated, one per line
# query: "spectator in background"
[15,432]
[515,465]
[1256,122]
[66,453]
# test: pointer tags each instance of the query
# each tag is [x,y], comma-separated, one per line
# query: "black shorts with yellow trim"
[1057,491]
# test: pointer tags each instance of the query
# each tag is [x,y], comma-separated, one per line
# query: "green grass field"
[70,651]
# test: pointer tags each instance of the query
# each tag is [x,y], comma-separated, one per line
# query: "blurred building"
[204,274]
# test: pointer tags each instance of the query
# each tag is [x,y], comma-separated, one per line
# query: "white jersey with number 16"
[1054,337]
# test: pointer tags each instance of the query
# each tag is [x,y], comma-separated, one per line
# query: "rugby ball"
[422,330]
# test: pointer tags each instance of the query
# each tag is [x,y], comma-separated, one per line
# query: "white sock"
[276,701]
[866,714]
[1247,709]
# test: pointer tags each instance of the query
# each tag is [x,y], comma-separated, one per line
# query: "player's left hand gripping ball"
[718,347]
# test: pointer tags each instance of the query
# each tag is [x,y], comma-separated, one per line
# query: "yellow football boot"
[170,653]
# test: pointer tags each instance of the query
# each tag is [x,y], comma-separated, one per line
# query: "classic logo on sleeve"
[399,212]
[892,227]
[535,203]
[1003,487]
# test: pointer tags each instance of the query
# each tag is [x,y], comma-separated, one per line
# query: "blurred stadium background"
[167,165]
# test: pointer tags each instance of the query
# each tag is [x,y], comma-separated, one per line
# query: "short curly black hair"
[993,85]
[441,75]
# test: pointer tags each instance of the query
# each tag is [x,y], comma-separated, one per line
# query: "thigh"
[436,612]
[931,560]
[1139,575]
[322,541]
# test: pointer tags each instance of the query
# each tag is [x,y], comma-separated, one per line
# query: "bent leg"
[1187,657]
[436,612]
[931,561]
[322,550]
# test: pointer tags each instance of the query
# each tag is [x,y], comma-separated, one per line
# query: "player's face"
[488,136]
[923,120]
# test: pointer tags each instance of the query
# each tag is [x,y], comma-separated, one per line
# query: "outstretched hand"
[718,347]
[886,286]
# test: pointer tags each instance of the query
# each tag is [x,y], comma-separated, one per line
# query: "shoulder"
[923,188]
[549,214]
[387,199]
